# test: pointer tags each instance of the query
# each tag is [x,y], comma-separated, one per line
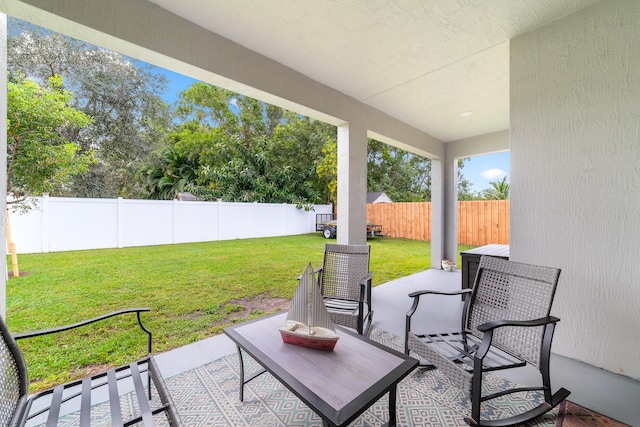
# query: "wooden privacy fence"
[404,220]
[483,222]
[479,222]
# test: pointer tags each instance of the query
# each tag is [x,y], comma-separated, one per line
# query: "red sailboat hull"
[315,343]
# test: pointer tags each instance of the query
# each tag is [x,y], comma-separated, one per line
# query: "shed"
[186,196]
[378,197]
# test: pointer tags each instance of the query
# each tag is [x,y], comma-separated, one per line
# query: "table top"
[338,384]
[493,250]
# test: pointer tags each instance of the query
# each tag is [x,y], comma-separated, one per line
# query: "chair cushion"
[343,312]
[336,304]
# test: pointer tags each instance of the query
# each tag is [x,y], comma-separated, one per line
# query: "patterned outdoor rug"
[208,396]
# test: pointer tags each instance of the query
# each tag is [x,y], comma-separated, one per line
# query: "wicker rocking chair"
[345,283]
[17,409]
[505,324]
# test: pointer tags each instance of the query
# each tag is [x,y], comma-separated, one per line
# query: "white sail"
[319,314]
[299,310]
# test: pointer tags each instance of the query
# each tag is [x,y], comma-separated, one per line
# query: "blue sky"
[479,170]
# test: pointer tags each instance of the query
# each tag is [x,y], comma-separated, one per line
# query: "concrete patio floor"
[613,395]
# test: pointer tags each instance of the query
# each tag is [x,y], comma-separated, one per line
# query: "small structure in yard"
[378,197]
[185,196]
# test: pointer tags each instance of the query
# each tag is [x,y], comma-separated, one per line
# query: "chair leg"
[369,323]
[476,393]
[476,398]
[544,362]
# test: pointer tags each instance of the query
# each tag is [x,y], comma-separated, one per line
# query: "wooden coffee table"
[338,385]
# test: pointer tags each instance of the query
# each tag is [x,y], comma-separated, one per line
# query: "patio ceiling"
[441,66]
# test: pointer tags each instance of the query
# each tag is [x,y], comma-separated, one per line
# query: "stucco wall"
[575,175]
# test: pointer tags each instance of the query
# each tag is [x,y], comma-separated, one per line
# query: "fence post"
[44,208]
[255,219]
[119,221]
[12,247]
[287,228]
[219,219]
[175,221]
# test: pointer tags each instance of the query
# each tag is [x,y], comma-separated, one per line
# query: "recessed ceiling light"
[466,114]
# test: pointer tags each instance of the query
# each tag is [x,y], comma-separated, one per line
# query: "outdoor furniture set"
[506,323]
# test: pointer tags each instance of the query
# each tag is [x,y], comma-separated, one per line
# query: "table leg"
[241,373]
[243,378]
[392,406]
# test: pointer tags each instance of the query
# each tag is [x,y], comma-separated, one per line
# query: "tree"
[242,149]
[327,170]
[41,154]
[236,148]
[129,118]
[167,174]
[464,185]
[404,176]
[499,190]
[313,146]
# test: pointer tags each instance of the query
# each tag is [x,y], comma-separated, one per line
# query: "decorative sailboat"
[308,323]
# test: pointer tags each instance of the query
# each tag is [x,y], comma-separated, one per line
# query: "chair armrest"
[366,279]
[365,288]
[88,322]
[488,328]
[428,291]
[416,299]
[524,323]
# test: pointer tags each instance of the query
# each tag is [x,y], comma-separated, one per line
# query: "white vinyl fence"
[64,224]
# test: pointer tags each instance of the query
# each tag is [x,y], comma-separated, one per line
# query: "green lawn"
[193,290]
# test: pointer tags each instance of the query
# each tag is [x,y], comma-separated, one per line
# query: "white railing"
[64,224]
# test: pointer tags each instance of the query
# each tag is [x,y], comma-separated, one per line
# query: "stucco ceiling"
[441,66]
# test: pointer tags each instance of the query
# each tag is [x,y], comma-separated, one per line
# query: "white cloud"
[492,174]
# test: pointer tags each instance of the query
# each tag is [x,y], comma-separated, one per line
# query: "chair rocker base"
[539,410]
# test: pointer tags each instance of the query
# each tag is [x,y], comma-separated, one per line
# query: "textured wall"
[575,183]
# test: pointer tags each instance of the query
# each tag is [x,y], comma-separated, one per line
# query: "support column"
[352,184]
[444,210]
[450,240]
[437,212]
